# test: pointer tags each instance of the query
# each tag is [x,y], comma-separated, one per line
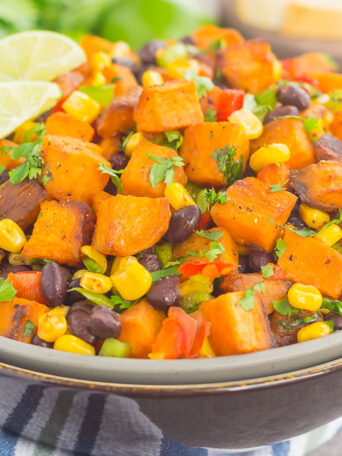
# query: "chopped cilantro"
[267,271]
[2,169]
[102,94]
[165,272]
[310,123]
[231,168]
[217,45]
[333,306]
[113,175]
[260,110]
[116,299]
[212,235]
[278,187]
[284,307]
[174,139]
[163,169]
[259,286]
[124,141]
[210,115]
[215,249]
[247,302]
[267,98]
[204,85]
[280,248]
[28,328]
[331,325]
[7,291]
[209,196]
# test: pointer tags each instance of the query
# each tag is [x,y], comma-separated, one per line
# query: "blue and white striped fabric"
[38,420]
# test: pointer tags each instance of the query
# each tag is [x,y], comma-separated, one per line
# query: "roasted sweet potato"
[60,231]
[168,106]
[275,174]
[98,198]
[200,143]
[122,77]
[248,65]
[21,202]
[118,117]
[5,157]
[310,261]
[250,210]
[27,284]
[140,325]
[274,289]
[328,147]
[336,126]
[128,224]
[63,124]
[306,65]
[136,178]
[196,243]
[208,35]
[16,314]
[92,44]
[110,146]
[235,330]
[319,185]
[73,165]
[70,81]
[327,82]
[291,132]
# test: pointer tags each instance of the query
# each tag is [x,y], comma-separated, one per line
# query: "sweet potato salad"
[181,201]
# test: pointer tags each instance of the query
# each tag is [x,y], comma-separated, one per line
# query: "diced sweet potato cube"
[136,178]
[21,202]
[27,284]
[251,212]
[5,157]
[128,224]
[306,65]
[206,36]
[196,243]
[319,185]
[328,147]
[122,77]
[70,81]
[92,44]
[168,106]
[110,146]
[200,143]
[336,126]
[311,262]
[118,116]
[60,231]
[291,132]
[14,316]
[235,330]
[140,325]
[73,165]
[275,174]
[327,82]
[274,289]
[64,124]
[98,198]
[248,65]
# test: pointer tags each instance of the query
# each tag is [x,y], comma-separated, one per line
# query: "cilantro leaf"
[2,169]
[212,235]
[210,115]
[247,302]
[209,196]
[260,110]
[215,249]
[310,123]
[116,299]
[102,94]
[259,286]
[278,187]
[174,139]
[113,175]
[204,85]
[284,307]
[267,271]
[165,272]
[280,248]
[163,169]
[267,98]
[28,328]
[231,168]
[333,306]
[7,291]
[331,325]
[124,141]
[217,45]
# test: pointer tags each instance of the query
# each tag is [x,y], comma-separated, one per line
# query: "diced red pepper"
[229,100]
[205,219]
[203,330]
[308,80]
[210,269]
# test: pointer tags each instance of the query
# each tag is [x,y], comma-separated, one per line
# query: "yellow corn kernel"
[98,80]
[330,235]
[20,132]
[60,310]
[121,49]
[305,297]
[52,325]
[312,217]
[81,106]
[16,259]
[249,123]
[99,258]
[315,133]
[12,237]
[277,69]
[266,155]
[130,278]
[98,283]
[313,331]
[78,274]
[207,350]
[73,344]
[176,69]
[242,250]
[150,78]
[100,61]
[133,142]
[178,196]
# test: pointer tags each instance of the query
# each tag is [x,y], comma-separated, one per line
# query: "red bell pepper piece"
[308,80]
[210,269]
[204,220]
[203,330]
[229,100]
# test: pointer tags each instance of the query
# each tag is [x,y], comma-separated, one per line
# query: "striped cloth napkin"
[43,420]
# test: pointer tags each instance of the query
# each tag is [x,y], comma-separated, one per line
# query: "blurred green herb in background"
[134,21]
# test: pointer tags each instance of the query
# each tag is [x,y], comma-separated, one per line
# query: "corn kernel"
[277,69]
[133,142]
[16,259]
[312,217]
[121,49]
[313,331]
[267,155]
[12,237]
[150,78]
[176,69]
[330,235]
[99,258]
[21,131]
[207,350]
[130,278]
[51,326]
[98,283]
[178,196]
[249,123]
[243,250]
[81,106]
[79,273]
[305,297]
[315,133]
[73,344]
[100,61]
[98,80]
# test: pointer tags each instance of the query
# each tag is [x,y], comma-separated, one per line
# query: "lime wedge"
[24,100]
[38,56]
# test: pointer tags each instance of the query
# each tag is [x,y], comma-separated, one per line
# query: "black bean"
[296,221]
[119,161]
[294,96]
[258,258]
[182,224]
[124,61]
[105,323]
[6,268]
[41,343]
[84,305]
[148,51]
[188,40]
[243,264]
[54,283]
[164,293]
[79,325]
[150,261]
[4,176]
[328,147]
[73,296]
[335,318]
[280,112]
